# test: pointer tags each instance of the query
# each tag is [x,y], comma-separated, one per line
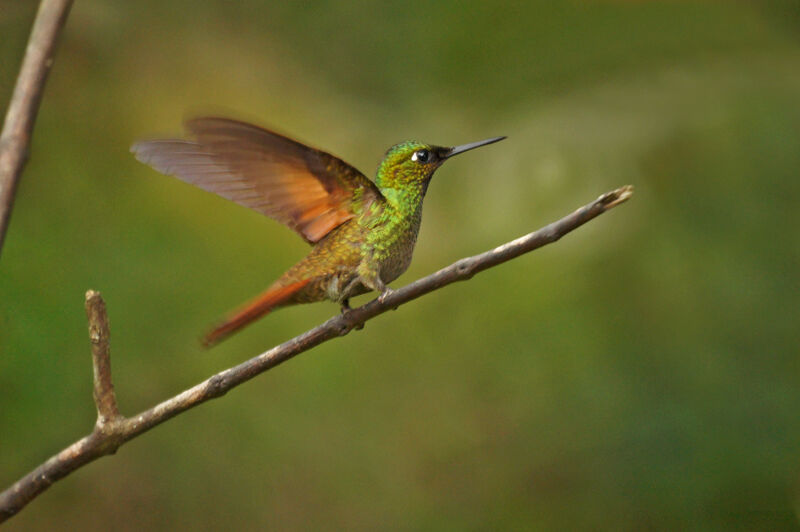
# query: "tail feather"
[251,311]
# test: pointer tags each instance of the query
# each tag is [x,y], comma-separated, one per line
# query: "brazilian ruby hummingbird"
[362,232]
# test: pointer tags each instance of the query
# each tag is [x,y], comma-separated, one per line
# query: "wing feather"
[309,190]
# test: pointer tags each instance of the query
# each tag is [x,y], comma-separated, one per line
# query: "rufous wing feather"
[309,190]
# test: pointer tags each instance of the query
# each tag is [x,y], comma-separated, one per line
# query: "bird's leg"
[378,285]
[385,291]
[344,302]
[348,290]
[371,278]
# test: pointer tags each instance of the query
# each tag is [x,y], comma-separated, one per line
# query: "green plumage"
[363,233]
[374,248]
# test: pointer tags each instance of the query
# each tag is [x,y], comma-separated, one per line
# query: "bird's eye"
[421,156]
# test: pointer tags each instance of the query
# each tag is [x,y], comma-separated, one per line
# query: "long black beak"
[472,145]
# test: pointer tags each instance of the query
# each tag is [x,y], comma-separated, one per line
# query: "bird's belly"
[397,258]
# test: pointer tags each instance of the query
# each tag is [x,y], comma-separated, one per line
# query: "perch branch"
[21,113]
[106,438]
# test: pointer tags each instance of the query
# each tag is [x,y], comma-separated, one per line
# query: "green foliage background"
[641,373]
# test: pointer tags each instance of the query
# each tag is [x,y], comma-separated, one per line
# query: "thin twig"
[107,438]
[21,114]
[99,335]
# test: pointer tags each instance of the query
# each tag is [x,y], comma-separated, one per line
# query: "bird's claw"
[345,307]
[386,293]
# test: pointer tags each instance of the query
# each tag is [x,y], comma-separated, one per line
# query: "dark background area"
[641,373]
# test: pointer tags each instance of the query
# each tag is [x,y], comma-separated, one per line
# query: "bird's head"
[411,164]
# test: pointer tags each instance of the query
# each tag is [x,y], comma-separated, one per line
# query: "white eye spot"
[421,156]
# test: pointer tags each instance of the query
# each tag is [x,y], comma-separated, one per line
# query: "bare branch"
[21,114]
[112,430]
[99,334]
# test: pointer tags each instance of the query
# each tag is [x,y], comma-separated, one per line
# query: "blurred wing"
[310,191]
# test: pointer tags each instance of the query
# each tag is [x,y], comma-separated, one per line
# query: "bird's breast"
[394,246]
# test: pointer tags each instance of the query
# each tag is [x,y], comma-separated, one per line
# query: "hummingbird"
[362,232]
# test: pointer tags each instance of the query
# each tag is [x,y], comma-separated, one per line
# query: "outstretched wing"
[310,191]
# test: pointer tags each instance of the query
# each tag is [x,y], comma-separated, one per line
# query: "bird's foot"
[386,293]
[347,310]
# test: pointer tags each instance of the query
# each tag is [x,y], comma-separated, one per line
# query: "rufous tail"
[251,311]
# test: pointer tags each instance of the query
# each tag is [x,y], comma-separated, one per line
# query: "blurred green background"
[642,373]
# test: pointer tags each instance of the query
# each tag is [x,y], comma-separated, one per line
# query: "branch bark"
[24,104]
[104,398]
[113,430]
